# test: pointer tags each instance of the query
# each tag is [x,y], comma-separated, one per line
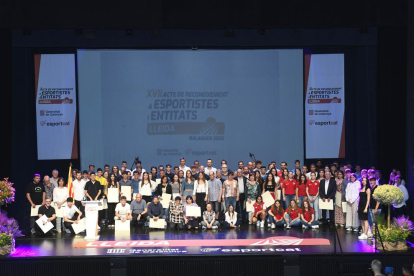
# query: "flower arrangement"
[396,235]
[9,230]
[387,195]
[6,192]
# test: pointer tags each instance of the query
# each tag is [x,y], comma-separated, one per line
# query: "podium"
[91,214]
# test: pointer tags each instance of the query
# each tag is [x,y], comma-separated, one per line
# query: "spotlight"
[90,34]
[27,32]
[229,33]
[128,32]
[261,31]
[78,31]
[156,33]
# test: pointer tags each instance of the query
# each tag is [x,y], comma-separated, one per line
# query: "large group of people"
[222,195]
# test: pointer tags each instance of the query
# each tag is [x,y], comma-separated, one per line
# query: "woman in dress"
[253,190]
[364,199]
[200,192]
[339,214]
[60,194]
[187,186]
[112,183]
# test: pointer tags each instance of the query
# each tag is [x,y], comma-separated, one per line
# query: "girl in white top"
[200,192]
[60,194]
[231,218]
[352,196]
[145,188]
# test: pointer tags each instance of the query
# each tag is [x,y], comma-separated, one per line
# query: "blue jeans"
[288,220]
[315,206]
[301,199]
[232,201]
[310,224]
[371,216]
[166,213]
[272,220]
[288,199]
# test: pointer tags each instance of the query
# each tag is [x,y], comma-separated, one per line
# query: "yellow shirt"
[103,181]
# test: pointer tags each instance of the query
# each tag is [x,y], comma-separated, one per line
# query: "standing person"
[145,188]
[79,191]
[210,167]
[373,205]
[258,178]
[352,196]
[175,187]
[241,182]
[180,176]
[36,195]
[164,188]
[259,213]
[230,191]
[297,174]
[200,192]
[380,179]
[183,167]
[112,183]
[93,188]
[190,222]
[252,191]
[71,214]
[327,190]
[176,214]
[231,220]
[400,209]
[312,169]
[225,172]
[50,213]
[302,190]
[102,180]
[49,187]
[321,175]
[209,218]
[187,186]
[307,215]
[363,206]
[276,214]
[124,182]
[55,177]
[214,194]
[312,190]
[289,190]
[292,215]
[138,210]
[60,195]
[135,183]
[339,214]
[169,172]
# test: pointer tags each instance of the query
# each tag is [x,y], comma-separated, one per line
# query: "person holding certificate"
[112,183]
[36,195]
[164,188]
[60,194]
[123,210]
[145,188]
[50,213]
[155,211]
[327,191]
[71,214]
[125,182]
[190,222]
[252,191]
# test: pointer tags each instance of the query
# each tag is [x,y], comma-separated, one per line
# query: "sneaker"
[258,224]
[99,228]
[33,231]
[284,225]
[262,224]
[250,222]
[315,226]
[273,226]
[369,234]
[304,226]
[204,227]
[215,227]
[363,237]
[268,225]
[288,226]
[67,231]
[356,230]
[349,229]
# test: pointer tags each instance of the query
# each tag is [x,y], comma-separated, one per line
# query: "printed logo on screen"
[326,123]
[310,112]
[311,122]
[50,113]
[42,113]
[57,95]
[42,123]
[159,151]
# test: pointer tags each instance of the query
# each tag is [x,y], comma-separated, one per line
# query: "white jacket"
[352,191]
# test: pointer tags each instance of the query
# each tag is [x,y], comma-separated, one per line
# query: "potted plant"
[9,230]
[394,237]
[387,195]
[6,192]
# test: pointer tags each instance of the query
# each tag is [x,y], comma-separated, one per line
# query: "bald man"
[139,210]
[49,187]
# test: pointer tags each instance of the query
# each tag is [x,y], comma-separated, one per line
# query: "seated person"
[209,218]
[292,213]
[176,214]
[139,210]
[259,213]
[50,213]
[190,222]
[276,214]
[123,210]
[231,218]
[308,216]
[71,214]
[155,210]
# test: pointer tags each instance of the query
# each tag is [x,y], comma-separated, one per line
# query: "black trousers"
[200,202]
[331,215]
[68,225]
[240,205]
[111,213]
[80,207]
[192,224]
[173,225]
[135,222]
[400,211]
[50,231]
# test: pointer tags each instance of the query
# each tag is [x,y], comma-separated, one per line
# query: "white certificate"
[59,212]
[165,200]
[268,199]
[79,227]
[160,223]
[122,226]
[34,212]
[249,206]
[344,207]
[279,195]
[104,204]
[158,181]
[113,195]
[326,205]
[126,191]
[338,199]
[193,211]
[45,227]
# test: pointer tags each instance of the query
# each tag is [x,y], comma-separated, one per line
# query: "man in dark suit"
[327,190]
[380,179]
[242,181]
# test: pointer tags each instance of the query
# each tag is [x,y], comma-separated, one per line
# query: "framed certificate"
[113,195]
[122,226]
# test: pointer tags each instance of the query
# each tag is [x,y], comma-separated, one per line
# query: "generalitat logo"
[326,123]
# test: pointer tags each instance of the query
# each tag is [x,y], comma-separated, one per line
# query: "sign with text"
[55,86]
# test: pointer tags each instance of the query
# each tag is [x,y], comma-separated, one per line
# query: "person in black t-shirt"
[49,212]
[36,195]
[93,188]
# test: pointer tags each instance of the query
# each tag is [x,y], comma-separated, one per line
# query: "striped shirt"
[214,189]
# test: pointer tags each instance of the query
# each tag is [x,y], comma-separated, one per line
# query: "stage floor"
[141,241]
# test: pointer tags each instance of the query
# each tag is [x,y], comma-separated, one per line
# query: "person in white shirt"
[231,218]
[71,214]
[60,195]
[351,197]
[400,209]
[79,190]
[183,167]
[123,210]
[210,167]
[200,192]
